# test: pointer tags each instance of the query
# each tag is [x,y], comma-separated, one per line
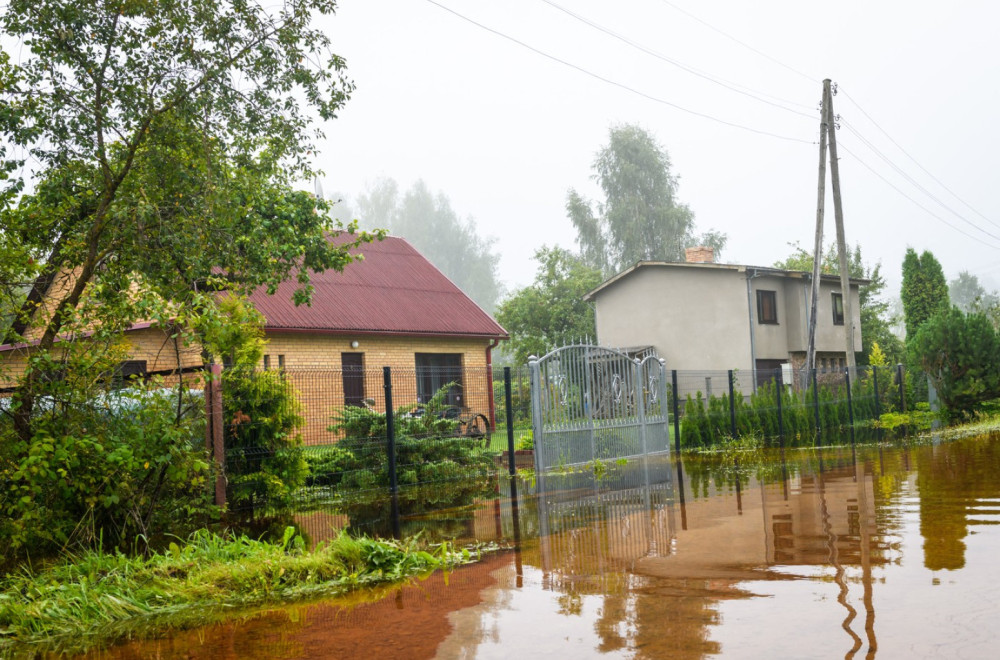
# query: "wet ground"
[889,552]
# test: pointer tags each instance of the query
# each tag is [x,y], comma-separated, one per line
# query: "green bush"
[99,471]
[961,355]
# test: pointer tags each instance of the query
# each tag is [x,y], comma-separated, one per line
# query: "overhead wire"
[915,202]
[741,43]
[916,184]
[915,161]
[615,83]
[732,86]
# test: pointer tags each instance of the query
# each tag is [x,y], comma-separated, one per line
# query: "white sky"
[504,132]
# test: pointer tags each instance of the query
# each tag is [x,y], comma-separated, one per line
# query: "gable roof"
[394,290]
[757,270]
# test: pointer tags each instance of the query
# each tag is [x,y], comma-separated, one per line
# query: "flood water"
[889,552]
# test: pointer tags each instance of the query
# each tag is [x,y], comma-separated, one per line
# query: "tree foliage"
[960,353]
[969,295]
[551,311]
[428,222]
[640,217]
[876,318]
[166,139]
[924,292]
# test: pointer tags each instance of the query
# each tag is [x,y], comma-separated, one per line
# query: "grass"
[95,597]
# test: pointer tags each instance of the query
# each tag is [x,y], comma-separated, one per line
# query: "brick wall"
[313,364]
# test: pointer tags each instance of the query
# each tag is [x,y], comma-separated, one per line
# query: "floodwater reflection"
[878,551]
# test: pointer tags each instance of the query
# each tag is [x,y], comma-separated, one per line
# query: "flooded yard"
[884,551]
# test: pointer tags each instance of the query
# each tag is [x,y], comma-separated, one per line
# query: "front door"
[354,378]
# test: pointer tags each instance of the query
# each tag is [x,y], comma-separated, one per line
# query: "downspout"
[489,380]
[753,333]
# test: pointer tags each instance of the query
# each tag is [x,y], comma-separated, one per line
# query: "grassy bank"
[93,598]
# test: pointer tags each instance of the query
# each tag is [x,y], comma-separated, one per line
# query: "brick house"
[392,309]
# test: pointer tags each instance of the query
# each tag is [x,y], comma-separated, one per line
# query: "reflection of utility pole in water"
[838,578]
[866,513]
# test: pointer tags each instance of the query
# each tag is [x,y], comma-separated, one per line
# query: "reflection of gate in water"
[590,402]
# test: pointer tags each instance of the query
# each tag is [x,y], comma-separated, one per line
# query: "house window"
[267,362]
[281,361]
[767,307]
[352,365]
[434,371]
[838,309]
[128,371]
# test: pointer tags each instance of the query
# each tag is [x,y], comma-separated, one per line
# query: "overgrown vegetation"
[101,464]
[99,596]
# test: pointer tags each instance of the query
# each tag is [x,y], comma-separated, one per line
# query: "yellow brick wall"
[153,345]
[313,364]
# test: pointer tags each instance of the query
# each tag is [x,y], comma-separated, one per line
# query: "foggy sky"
[504,131]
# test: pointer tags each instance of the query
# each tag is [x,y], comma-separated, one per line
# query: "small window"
[434,371]
[838,309]
[267,362]
[767,307]
[281,361]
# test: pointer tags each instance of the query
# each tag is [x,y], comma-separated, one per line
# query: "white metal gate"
[594,403]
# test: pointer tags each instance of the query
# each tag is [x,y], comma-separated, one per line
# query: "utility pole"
[818,247]
[838,214]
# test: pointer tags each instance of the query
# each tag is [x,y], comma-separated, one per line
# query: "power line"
[616,83]
[916,184]
[741,43]
[915,202]
[917,163]
[732,86]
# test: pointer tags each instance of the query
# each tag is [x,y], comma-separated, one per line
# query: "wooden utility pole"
[818,247]
[838,214]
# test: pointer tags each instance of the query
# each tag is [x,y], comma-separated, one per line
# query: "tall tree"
[640,217]
[969,295]
[876,318]
[430,223]
[924,292]
[166,138]
[551,311]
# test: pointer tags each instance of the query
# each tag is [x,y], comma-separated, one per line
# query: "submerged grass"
[94,597]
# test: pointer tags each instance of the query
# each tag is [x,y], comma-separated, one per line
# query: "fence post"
[537,423]
[878,404]
[816,405]
[732,406]
[390,429]
[781,418]
[508,401]
[677,422]
[902,389]
[214,439]
[850,401]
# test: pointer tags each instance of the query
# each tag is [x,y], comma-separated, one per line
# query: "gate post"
[640,394]
[536,412]
[390,429]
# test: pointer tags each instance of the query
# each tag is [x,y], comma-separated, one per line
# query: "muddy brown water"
[889,552]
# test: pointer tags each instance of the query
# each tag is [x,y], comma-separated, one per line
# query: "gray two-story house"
[703,316]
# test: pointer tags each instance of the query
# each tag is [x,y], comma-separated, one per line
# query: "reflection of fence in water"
[590,523]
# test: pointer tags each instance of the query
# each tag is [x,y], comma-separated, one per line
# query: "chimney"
[699,255]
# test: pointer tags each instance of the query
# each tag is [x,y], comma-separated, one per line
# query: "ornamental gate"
[593,403]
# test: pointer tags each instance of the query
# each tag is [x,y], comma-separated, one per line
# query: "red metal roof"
[394,290]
